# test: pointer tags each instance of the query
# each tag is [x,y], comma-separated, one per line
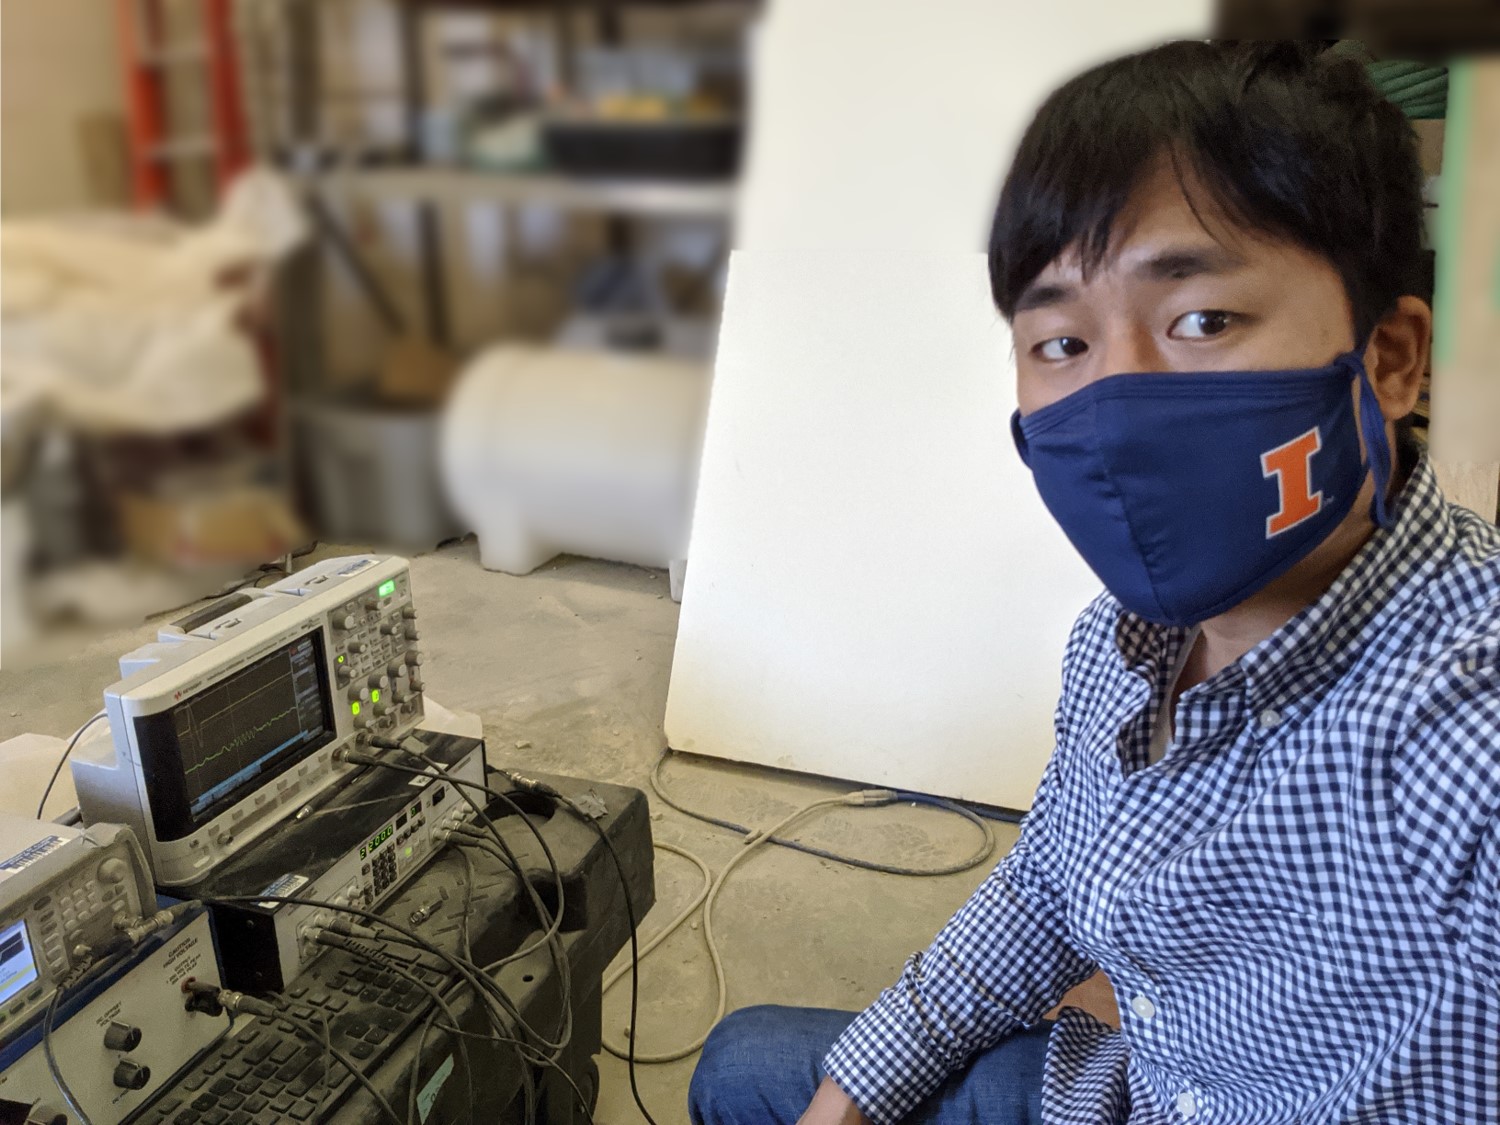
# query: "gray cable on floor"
[986,848]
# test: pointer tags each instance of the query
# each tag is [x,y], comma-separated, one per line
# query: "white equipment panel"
[875,590]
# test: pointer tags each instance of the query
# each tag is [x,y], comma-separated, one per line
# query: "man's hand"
[831,1106]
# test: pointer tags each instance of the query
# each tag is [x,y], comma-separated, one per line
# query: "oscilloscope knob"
[343,621]
[381,708]
[360,722]
[411,632]
[355,646]
[408,611]
[131,1075]
[379,682]
[361,694]
[121,1037]
[113,870]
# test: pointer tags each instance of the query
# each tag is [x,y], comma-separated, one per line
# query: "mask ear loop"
[1372,426]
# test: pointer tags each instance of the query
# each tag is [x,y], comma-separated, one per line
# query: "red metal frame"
[224,82]
[141,27]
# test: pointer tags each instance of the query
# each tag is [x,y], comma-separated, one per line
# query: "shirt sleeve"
[997,966]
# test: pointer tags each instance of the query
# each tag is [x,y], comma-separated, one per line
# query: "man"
[1272,816]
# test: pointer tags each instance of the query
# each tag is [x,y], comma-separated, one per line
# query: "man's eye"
[1060,348]
[1200,324]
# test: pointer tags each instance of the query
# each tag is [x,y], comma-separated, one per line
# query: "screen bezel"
[172,816]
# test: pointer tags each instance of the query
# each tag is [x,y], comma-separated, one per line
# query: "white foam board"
[889,124]
[874,589]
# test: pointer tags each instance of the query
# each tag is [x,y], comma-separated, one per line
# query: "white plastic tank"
[547,451]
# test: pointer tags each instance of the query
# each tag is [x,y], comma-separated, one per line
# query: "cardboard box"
[244,523]
[416,373]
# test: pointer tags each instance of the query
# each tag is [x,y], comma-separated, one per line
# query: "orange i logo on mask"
[1291,465]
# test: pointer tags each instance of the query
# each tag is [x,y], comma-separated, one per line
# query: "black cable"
[390,964]
[52,1068]
[113,952]
[554,947]
[309,1029]
[549,791]
[635,959]
[548,1063]
[56,773]
[474,974]
[457,964]
[551,920]
[508,856]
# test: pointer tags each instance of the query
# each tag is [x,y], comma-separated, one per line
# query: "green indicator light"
[387,588]
[354,707]
[375,696]
[342,658]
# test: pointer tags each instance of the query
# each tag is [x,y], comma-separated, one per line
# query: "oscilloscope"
[228,722]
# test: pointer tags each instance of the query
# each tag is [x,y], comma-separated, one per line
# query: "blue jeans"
[761,1066]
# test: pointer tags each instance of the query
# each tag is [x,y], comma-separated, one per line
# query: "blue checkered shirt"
[1298,905]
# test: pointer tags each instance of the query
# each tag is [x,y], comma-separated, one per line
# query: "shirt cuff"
[885,1060]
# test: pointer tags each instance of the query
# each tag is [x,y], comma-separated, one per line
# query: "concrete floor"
[574,660]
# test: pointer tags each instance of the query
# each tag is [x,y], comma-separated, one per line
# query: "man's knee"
[729,1061]
[740,1066]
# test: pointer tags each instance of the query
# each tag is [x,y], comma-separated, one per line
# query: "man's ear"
[1396,356]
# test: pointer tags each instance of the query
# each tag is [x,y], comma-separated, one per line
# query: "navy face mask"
[1187,492]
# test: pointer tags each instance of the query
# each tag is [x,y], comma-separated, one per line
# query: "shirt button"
[1143,1007]
[1270,717]
[1187,1105]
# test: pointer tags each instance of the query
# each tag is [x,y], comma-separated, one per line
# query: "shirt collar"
[1323,640]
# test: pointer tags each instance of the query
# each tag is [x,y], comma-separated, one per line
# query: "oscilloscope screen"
[208,751]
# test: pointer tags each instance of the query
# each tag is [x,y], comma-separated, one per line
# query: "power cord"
[48,1020]
[712,887]
[867,798]
[982,853]
[57,772]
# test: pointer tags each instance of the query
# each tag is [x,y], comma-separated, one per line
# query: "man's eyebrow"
[1036,296]
[1179,264]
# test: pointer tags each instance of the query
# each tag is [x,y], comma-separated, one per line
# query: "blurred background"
[394,272]
[248,246]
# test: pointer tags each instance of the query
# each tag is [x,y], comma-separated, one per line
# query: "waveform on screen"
[241,739]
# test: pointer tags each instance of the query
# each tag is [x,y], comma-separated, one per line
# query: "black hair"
[1284,137]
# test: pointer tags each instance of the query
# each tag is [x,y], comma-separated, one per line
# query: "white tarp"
[132,327]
